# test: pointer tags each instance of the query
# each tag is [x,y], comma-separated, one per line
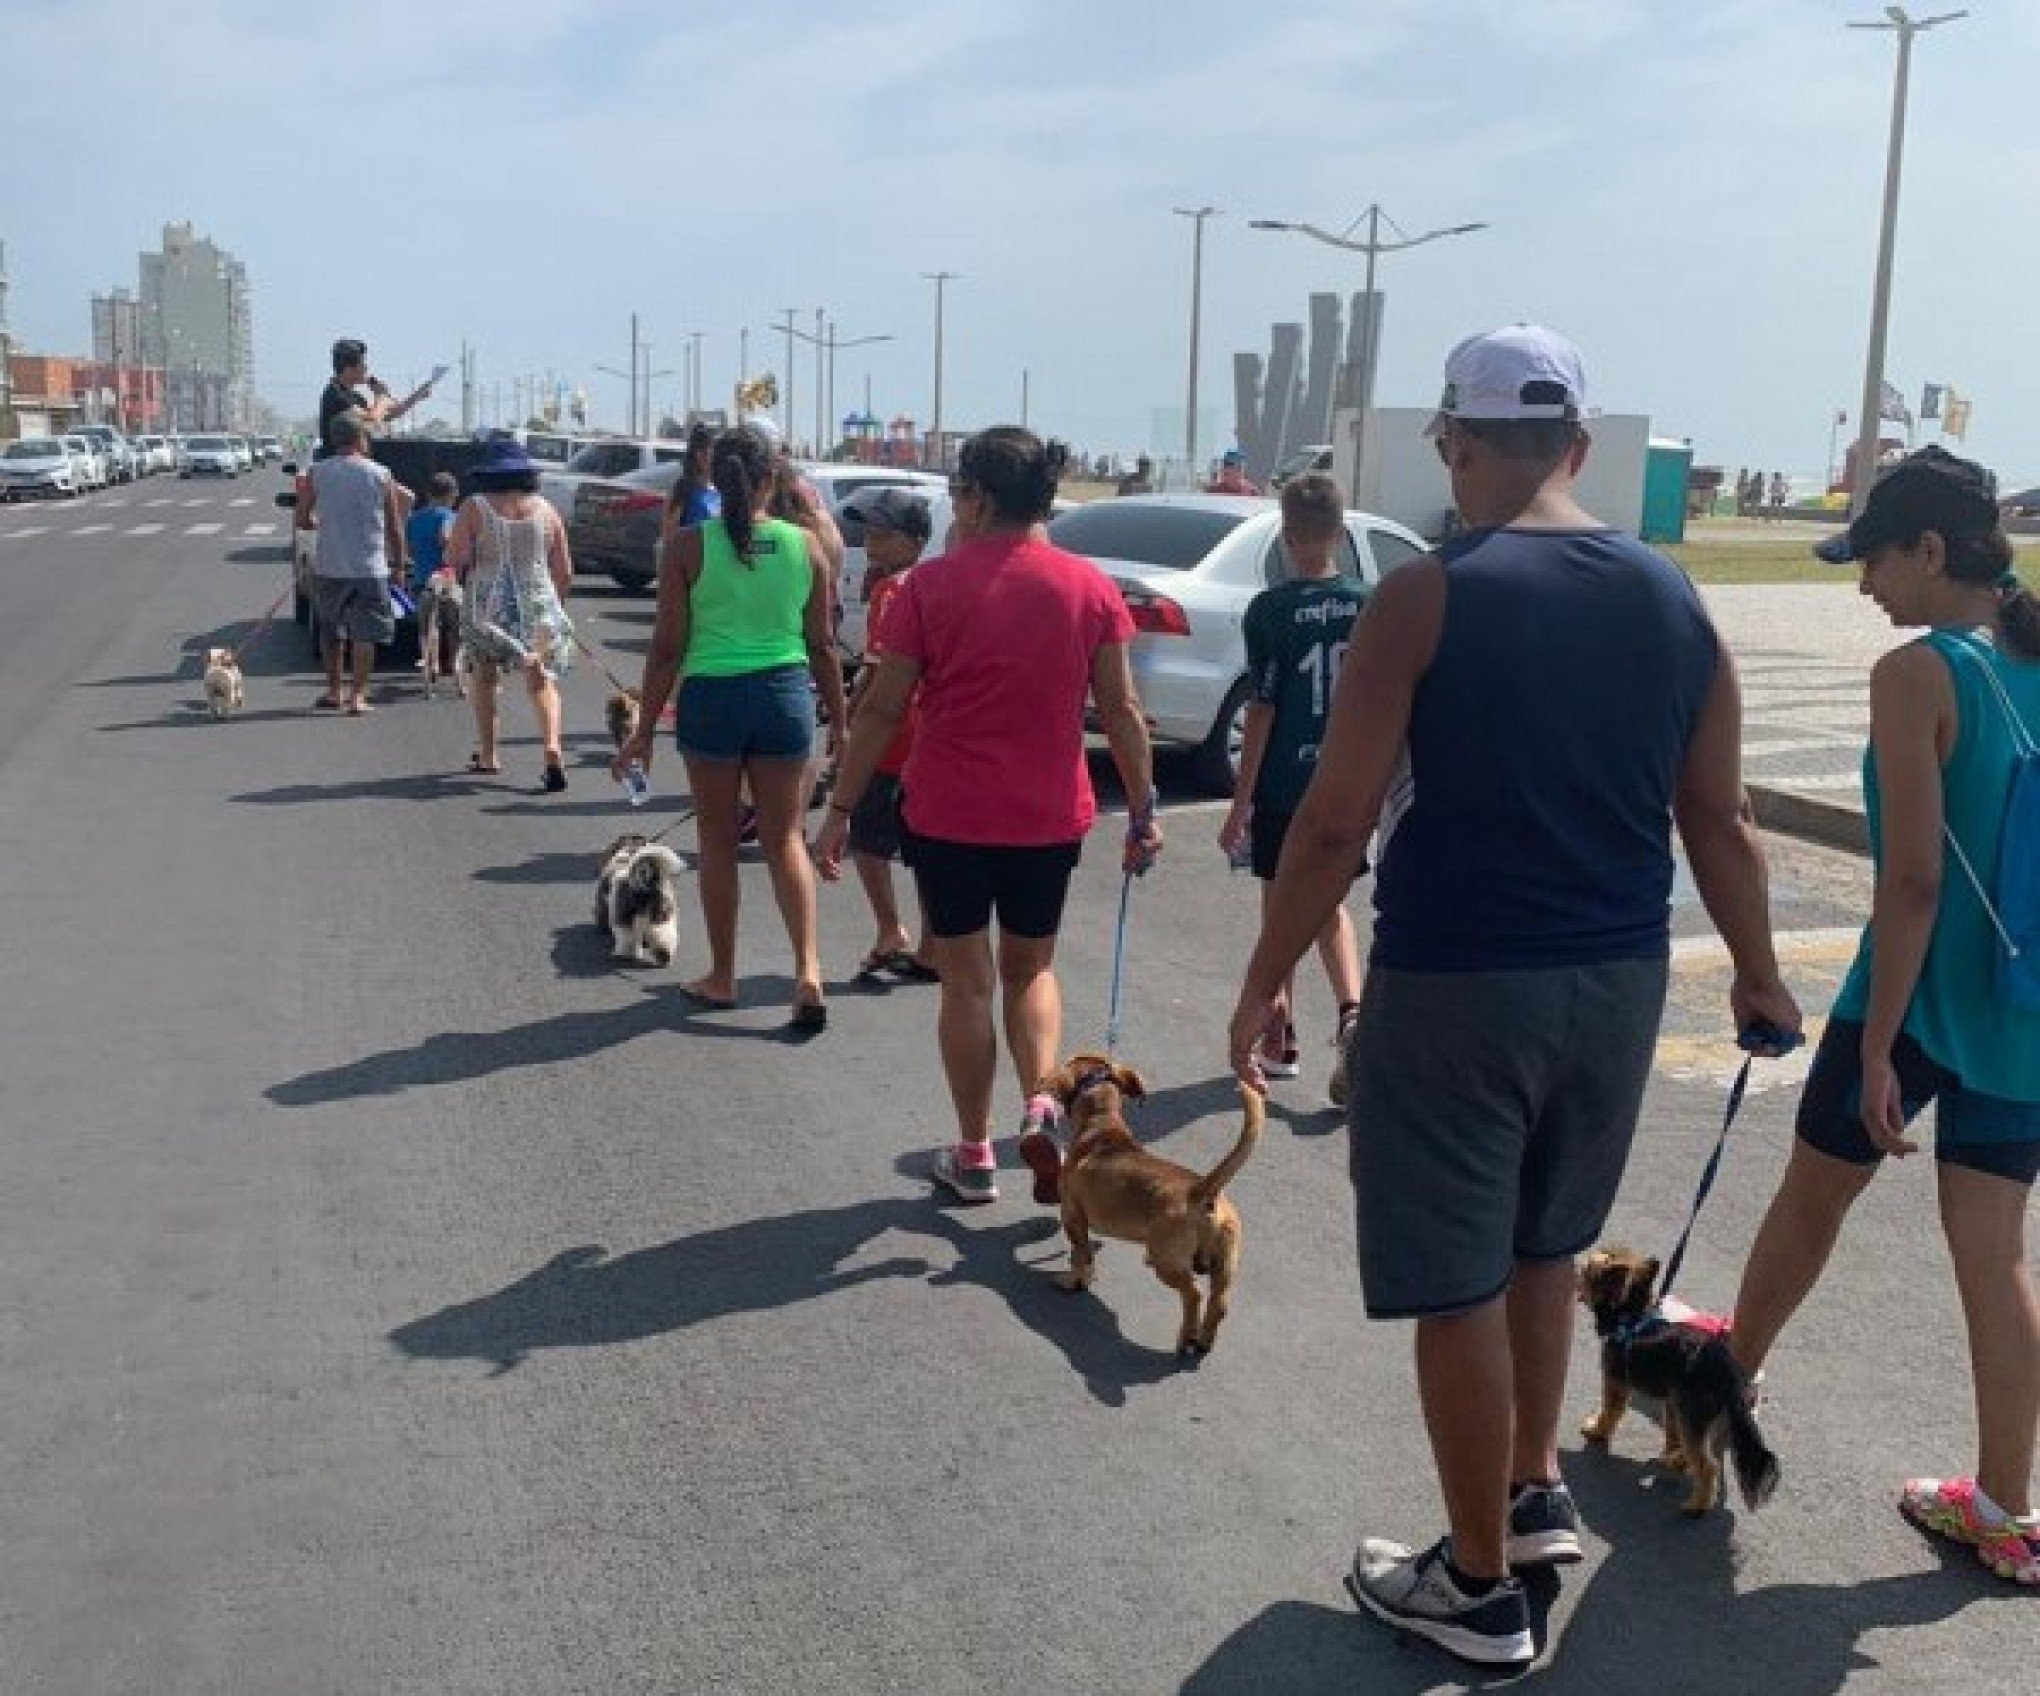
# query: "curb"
[1824,822]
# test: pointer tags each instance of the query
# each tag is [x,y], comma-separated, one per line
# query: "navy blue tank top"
[1546,740]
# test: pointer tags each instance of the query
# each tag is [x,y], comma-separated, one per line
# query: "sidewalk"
[1804,651]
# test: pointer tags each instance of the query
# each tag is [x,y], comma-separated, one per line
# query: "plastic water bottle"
[637,787]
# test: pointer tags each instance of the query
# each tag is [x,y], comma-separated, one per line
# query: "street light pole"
[940,279]
[1196,215]
[786,387]
[1872,415]
[1370,340]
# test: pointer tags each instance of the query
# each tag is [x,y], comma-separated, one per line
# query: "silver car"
[209,456]
[1188,566]
[38,465]
[93,472]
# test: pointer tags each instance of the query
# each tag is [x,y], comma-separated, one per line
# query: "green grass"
[1782,562]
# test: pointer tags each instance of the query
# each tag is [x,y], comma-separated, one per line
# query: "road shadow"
[583,1298]
[456,1057]
[1169,1110]
[1307,1649]
[1667,1590]
[548,869]
[259,553]
[417,786]
[188,715]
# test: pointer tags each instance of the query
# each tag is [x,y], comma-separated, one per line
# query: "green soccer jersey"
[1296,636]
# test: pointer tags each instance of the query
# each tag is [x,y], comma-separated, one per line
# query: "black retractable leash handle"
[1760,1038]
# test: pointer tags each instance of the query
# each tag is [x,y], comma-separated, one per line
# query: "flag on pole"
[1955,416]
[1891,405]
[1930,400]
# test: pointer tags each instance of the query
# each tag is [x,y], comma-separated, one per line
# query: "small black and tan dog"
[1686,1362]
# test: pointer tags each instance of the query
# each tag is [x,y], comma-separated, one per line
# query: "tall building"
[117,328]
[6,355]
[196,322]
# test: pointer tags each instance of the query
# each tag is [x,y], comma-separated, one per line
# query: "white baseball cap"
[1517,372]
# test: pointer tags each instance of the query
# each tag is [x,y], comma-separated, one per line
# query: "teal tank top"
[747,615]
[1956,1014]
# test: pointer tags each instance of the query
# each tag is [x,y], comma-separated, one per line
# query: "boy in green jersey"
[1296,635]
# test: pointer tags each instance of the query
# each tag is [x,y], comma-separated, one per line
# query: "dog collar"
[1626,1332]
[1090,1078]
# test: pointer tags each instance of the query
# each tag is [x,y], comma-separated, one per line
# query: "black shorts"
[875,820]
[1982,1132]
[962,884]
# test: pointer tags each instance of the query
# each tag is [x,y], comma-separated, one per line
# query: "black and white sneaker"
[1417,1593]
[1544,1526]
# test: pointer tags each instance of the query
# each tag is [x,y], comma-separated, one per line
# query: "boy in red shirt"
[896,529]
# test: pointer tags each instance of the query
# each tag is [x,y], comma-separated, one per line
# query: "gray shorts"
[1492,1114]
[357,608]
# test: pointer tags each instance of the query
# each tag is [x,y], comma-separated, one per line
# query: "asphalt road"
[402,1300]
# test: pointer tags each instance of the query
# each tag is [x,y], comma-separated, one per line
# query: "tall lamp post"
[1871,417]
[1370,342]
[1196,215]
[829,346]
[940,279]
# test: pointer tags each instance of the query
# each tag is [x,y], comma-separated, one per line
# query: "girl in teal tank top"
[1922,1015]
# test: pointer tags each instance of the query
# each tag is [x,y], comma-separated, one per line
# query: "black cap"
[896,509]
[1929,490]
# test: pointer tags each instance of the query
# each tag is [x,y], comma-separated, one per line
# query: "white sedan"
[38,465]
[1188,566]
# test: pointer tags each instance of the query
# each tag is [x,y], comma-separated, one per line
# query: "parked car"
[242,452]
[836,484]
[604,462]
[162,457]
[115,456]
[268,450]
[1188,565]
[2025,504]
[614,524]
[38,465]
[92,467]
[209,456]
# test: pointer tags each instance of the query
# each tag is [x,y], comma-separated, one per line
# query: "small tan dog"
[223,693]
[620,713]
[1111,1185]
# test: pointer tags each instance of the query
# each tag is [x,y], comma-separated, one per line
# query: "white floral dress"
[512,608]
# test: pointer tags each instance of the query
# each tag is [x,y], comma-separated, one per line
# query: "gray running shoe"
[1415,1592]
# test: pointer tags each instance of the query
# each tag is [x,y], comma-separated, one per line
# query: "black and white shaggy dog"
[636,900]
[439,644]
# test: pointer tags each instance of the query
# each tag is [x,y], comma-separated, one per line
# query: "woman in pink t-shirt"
[1006,638]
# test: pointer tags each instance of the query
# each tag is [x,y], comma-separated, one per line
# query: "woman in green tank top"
[1924,1015]
[743,630]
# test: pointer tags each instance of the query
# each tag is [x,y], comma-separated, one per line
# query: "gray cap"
[892,508]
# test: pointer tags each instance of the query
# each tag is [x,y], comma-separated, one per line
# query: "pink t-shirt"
[1004,629]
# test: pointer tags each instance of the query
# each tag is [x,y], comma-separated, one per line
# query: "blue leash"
[1118,967]
[1758,1039]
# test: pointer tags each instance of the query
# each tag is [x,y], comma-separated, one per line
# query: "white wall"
[1406,482]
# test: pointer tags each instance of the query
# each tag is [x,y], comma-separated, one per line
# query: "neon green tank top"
[748,615]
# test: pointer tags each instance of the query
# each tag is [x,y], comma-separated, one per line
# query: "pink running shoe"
[1948,1508]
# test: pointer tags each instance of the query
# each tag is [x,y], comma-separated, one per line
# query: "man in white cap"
[1522,714]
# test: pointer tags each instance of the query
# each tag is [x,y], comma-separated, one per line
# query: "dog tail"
[1756,1468]
[1208,1188]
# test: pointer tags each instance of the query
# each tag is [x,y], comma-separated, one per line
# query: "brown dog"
[620,713]
[1684,1360]
[1113,1186]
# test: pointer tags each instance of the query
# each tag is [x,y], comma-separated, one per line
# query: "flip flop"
[555,779]
[487,768]
[904,965]
[326,704]
[874,966]
[811,1016]
[359,709]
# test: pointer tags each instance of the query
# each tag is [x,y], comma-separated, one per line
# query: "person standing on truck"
[353,389]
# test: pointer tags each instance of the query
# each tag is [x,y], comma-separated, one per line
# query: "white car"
[38,465]
[1188,565]
[93,472]
[604,462]
[244,455]
[836,483]
[161,455]
[209,456]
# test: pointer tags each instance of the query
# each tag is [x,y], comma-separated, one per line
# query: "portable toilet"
[1667,466]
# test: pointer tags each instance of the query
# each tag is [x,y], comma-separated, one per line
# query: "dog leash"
[248,641]
[615,682]
[1118,966]
[1758,1039]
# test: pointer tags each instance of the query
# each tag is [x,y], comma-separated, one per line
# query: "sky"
[1691,191]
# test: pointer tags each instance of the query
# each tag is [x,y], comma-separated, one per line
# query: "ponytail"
[739,465]
[2019,616]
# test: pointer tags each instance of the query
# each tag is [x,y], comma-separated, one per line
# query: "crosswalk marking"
[29,530]
[164,501]
[1838,780]
[90,529]
[260,530]
[144,530]
[204,529]
[197,503]
[245,500]
[103,505]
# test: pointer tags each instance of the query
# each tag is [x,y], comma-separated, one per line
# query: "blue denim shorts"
[761,715]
